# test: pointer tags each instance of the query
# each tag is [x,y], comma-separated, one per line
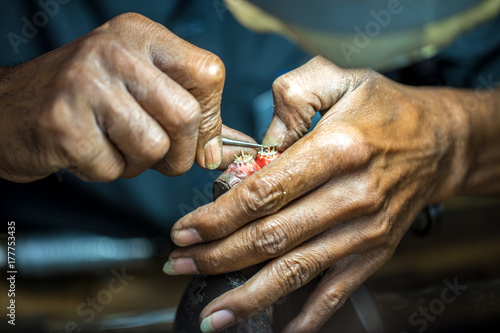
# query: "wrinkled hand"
[339,199]
[128,96]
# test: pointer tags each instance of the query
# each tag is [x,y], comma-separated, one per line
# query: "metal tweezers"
[239,143]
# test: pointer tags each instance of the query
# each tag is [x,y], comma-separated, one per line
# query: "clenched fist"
[339,199]
[128,96]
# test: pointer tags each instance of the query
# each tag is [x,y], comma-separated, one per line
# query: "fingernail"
[180,266]
[275,133]
[186,237]
[213,154]
[217,321]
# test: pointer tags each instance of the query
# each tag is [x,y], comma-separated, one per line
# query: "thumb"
[209,74]
[202,73]
[298,95]
[211,77]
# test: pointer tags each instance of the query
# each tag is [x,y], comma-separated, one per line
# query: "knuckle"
[154,148]
[94,40]
[382,230]
[271,240]
[291,100]
[56,117]
[375,199]
[94,164]
[85,153]
[371,197]
[263,196]
[289,89]
[378,233]
[130,16]
[116,49]
[128,19]
[105,51]
[362,150]
[188,113]
[115,54]
[346,145]
[100,42]
[211,70]
[87,67]
[251,204]
[333,299]
[293,273]
[74,76]
[108,173]
[371,77]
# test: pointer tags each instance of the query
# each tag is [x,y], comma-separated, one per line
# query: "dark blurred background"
[89,256]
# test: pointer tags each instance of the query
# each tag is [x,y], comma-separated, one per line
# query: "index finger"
[314,87]
[304,166]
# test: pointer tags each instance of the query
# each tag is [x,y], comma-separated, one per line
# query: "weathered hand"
[339,199]
[127,96]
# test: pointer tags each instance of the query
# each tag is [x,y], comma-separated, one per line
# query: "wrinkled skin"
[340,198]
[126,97]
